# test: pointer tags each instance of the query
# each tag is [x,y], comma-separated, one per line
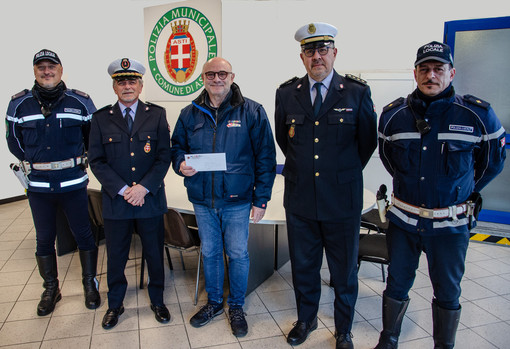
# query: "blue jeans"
[225,227]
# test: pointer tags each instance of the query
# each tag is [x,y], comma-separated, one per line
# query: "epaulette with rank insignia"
[153,105]
[103,108]
[355,78]
[19,94]
[476,101]
[394,104]
[289,82]
[81,93]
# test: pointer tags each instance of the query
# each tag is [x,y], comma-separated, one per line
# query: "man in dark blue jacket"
[130,155]
[326,128]
[441,150]
[48,131]
[221,120]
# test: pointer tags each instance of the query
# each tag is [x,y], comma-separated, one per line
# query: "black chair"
[95,205]
[179,236]
[372,245]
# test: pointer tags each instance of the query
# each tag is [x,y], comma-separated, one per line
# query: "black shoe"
[344,341]
[238,322]
[206,314]
[111,318]
[301,331]
[161,313]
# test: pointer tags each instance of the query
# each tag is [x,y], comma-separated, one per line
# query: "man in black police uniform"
[47,130]
[131,158]
[441,150]
[326,127]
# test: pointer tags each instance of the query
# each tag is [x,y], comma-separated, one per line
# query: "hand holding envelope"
[207,161]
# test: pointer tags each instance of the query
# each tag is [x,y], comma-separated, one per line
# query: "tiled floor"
[485,320]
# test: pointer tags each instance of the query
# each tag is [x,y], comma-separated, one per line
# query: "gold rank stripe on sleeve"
[493,239]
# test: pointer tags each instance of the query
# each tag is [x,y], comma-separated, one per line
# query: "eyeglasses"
[221,74]
[310,52]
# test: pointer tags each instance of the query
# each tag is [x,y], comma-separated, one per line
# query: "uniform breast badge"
[147,147]
[292,131]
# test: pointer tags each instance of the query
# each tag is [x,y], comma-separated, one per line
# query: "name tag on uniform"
[207,161]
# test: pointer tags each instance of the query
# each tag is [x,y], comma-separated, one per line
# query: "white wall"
[377,40]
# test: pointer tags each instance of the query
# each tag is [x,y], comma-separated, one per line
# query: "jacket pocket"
[237,186]
[342,128]
[459,157]
[112,144]
[72,130]
[195,187]
[295,128]
[29,132]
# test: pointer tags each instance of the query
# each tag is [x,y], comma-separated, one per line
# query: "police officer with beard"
[47,130]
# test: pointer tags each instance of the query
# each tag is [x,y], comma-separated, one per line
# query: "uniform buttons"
[316,140]
[134,183]
[133,169]
[132,154]
[341,119]
[422,178]
[47,125]
[148,137]
[109,139]
[131,139]
[425,148]
[316,174]
[316,123]
[48,148]
[316,157]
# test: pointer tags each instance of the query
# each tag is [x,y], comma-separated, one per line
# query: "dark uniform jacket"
[62,135]
[118,158]
[463,151]
[325,155]
[239,128]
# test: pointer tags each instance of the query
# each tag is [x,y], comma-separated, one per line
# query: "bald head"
[218,78]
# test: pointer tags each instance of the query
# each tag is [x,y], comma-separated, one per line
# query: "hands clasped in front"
[135,195]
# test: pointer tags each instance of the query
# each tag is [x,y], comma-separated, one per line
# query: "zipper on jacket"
[213,150]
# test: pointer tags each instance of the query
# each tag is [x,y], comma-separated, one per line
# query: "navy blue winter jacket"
[240,128]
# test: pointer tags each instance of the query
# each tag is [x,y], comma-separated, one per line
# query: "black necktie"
[318,99]
[129,119]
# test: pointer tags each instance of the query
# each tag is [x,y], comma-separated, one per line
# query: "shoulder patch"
[395,103]
[81,93]
[19,94]
[103,108]
[355,78]
[153,105]
[476,101]
[289,82]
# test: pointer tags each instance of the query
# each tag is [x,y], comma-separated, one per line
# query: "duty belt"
[435,213]
[56,165]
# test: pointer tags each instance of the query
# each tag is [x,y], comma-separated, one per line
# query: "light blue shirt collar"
[324,88]
[133,109]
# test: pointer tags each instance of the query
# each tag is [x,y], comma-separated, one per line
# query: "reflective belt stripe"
[74,181]
[437,213]
[62,185]
[402,216]
[39,184]
[446,224]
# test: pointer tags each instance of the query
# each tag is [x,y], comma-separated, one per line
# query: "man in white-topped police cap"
[325,125]
[129,153]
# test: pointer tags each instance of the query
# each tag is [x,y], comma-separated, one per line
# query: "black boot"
[445,326]
[51,295]
[393,314]
[89,266]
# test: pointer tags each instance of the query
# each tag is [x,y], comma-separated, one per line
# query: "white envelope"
[207,162]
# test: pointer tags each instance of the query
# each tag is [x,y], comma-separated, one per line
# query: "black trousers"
[340,240]
[44,212]
[118,234]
